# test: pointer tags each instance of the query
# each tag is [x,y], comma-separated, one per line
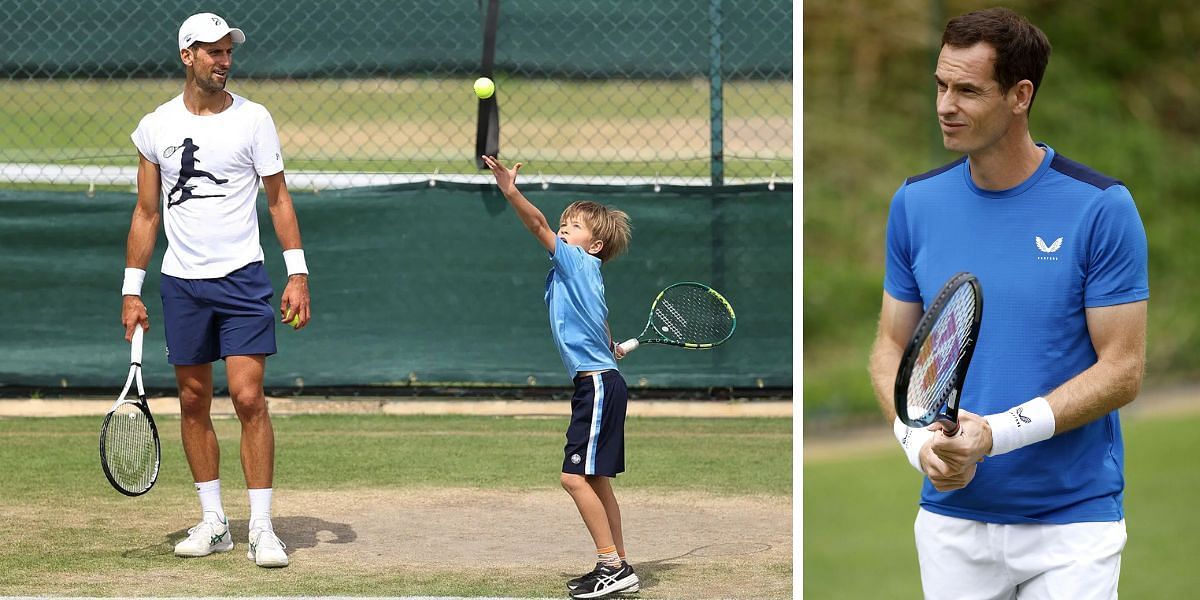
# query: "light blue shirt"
[575,297]
[1064,240]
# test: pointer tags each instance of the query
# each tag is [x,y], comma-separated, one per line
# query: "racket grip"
[628,345]
[135,345]
[949,428]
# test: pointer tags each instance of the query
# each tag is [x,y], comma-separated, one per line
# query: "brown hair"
[1022,50]
[608,225]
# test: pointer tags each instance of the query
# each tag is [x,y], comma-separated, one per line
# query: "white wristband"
[1021,426]
[133,282]
[294,259]
[911,440]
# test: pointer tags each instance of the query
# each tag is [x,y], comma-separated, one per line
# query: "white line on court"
[327,180]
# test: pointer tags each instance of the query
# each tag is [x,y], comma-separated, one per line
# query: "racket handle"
[135,345]
[628,345]
[949,428]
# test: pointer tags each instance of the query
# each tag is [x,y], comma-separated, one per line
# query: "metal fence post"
[716,96]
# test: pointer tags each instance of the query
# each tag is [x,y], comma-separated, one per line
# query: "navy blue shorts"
[207,319]
[596,436]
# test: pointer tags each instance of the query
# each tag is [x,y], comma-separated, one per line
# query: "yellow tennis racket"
[688,315]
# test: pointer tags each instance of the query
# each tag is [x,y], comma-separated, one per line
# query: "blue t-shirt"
[1066,239]
[575,297]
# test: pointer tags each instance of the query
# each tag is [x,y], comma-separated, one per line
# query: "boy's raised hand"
[534,220]
[506,179]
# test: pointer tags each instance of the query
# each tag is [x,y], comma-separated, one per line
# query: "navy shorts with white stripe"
[596,436]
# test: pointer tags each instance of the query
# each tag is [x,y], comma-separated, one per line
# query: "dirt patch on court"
[741,546]
[684,546]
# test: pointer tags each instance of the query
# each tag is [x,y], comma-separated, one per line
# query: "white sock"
[210,499]
[260,508]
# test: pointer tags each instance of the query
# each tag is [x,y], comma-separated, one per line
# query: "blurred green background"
[1119,95]
[859,510]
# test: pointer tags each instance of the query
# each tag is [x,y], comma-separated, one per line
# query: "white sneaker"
[206,538]
[266,549]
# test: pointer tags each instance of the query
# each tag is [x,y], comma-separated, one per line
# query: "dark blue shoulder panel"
[1082,172]
[935,172]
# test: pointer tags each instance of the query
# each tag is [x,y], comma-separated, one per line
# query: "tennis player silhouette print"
[188,170]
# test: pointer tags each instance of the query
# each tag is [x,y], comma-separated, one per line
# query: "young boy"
[589,234]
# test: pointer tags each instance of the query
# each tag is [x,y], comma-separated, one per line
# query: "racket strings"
[692,314]
[937,362]
[129,448]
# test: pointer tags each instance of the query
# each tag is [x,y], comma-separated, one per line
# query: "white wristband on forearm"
[1021,426]
[294,259]
[911,440]
[133,282]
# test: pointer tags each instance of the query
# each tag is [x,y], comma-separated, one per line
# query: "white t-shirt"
[210,168]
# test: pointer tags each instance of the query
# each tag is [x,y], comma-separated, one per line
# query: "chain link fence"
[372,92]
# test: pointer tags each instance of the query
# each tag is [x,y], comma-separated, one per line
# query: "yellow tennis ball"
[484,88]
[295,322]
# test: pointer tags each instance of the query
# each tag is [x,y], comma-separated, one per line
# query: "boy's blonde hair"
[608,225]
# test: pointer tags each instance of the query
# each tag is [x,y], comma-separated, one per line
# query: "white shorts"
[968,560]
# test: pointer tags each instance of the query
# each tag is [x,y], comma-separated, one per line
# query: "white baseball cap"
[207,27]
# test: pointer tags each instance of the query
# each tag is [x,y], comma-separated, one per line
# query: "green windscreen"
[415,285]
[370,38]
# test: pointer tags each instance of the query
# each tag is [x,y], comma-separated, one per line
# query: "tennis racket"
[934,366]
[129,450]
[689,315]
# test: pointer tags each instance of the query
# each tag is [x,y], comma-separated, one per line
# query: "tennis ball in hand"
[484,88]
[295,322]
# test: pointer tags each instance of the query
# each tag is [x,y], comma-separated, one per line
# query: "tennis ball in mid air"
[484,88]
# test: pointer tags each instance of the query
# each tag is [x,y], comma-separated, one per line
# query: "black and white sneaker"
[574,583]
[605,580]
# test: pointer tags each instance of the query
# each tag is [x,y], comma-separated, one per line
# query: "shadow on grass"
[297,532]
[650,572]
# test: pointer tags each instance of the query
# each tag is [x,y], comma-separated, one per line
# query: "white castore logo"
[1051,249]
[1041,244]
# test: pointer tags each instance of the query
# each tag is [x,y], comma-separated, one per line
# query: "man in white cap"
[210,149]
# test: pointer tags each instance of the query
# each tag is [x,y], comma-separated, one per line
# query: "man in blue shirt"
[1026,501]
[589,234]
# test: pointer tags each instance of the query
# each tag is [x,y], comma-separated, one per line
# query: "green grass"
[75,539]
[642,128]
[726,456]
[858,516]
